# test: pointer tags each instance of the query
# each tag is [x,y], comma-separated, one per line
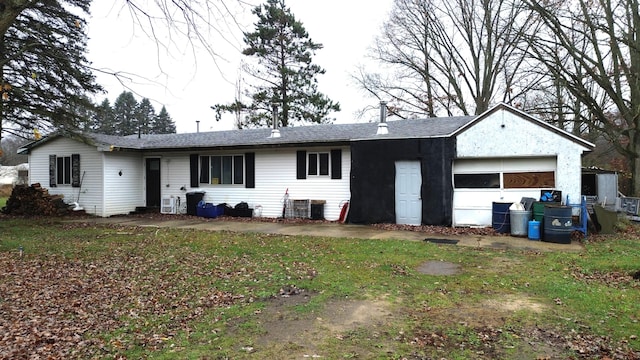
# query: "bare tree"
[10,157]
[185,24]
[453,57]
[592,48]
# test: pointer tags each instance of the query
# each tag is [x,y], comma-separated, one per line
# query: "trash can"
[317,209]
[558,224]
[519,222]
[500,217]
[193,198]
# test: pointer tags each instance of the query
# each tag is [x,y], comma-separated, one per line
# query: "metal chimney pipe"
[383,129]
[274,109]
[275,133]
[197,125]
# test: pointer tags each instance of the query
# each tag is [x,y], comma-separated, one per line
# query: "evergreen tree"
[45,77]
[145,116]
[163,124]
[125,114]
[286,74]
[103,120]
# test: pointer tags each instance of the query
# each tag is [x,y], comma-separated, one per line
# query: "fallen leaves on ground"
[488,342]
[55,307]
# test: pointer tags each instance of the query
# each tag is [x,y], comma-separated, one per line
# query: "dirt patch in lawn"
[439,268]
[296,334]
[488,313]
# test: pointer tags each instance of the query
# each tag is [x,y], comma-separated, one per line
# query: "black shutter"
[193,170]
[250,170]
[204,170]
[336,164]
[75,170]
[301,164]
[52,170]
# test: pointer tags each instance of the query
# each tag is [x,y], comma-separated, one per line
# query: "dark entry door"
[153,182]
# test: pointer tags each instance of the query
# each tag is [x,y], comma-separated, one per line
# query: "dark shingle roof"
[326,133]
[290,136]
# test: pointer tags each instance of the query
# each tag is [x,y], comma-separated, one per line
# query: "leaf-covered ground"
[80,291]
[56,306]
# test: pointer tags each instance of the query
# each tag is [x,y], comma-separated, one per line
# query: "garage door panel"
[519,164]
[521,177]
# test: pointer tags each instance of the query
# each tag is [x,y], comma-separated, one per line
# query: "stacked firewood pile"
[34,200]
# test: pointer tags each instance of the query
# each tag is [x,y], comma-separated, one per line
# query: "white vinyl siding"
[275,172]
[90,193]
[123,193]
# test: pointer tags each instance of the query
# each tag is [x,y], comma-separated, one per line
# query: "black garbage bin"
[193,198]
[317,209]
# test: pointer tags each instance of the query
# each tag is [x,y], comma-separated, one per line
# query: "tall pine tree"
[45,77]
[103,120]
[163,124]
[145,116]
[284,70]
[125,114]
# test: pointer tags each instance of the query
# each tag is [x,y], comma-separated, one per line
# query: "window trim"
[315,168]
[64,170]
[237,163]
[547,177]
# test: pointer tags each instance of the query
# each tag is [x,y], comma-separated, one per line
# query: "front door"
[408,197]
[153,182]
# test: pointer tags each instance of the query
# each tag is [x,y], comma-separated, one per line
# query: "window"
[318,164]
[64,170]
[222,169]
[477,181]
[510,180]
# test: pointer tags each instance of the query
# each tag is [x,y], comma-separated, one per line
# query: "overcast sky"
[189,84]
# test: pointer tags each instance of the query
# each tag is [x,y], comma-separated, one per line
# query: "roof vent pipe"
[275,133]
[382,126]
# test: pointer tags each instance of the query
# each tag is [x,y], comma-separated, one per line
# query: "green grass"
[195,294]
[3,202]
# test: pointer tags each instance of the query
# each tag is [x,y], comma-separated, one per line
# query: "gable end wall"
[503,134]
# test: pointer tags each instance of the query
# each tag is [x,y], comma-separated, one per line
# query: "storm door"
[153,182]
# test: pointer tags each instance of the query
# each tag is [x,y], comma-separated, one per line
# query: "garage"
[477,183]
[505,155]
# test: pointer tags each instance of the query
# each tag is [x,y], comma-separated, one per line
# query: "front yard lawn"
[75,290]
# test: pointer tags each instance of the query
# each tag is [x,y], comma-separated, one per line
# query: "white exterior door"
[408,198]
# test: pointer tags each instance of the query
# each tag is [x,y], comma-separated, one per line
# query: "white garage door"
[477,183]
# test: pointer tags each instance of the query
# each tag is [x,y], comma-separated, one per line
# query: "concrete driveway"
[336,230]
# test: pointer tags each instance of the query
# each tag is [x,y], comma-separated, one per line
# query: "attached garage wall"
[373,179]
[525,144]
